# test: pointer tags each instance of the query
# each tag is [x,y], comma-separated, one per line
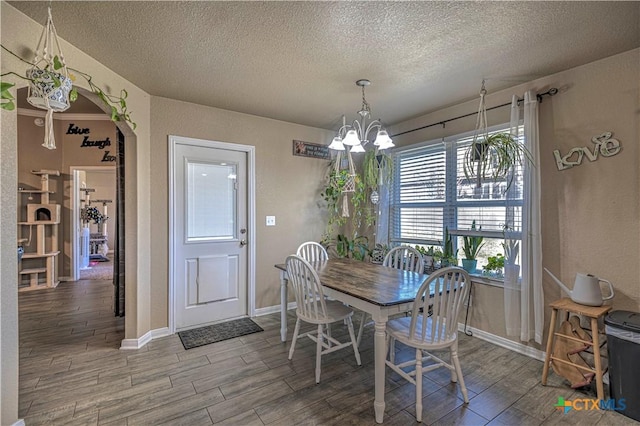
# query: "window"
[430,192]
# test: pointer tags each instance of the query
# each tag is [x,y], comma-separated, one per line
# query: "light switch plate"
[271,221]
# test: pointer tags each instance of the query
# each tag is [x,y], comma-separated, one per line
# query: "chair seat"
[336,311]
[399,330]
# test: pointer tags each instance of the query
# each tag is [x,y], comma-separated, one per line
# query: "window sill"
[492,282]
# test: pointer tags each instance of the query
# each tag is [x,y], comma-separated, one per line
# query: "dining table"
[378,290]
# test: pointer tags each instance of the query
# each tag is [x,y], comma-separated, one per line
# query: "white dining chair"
[444,293]
[313,308]
[312,251]
[401,257]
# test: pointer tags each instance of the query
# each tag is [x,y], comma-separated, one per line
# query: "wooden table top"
[376,284]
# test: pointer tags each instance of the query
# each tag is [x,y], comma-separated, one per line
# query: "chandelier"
[356,134]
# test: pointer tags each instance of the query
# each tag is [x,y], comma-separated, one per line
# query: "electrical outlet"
[271,221]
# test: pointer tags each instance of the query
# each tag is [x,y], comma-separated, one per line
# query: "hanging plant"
[117,104]
[50,83]
[377,168]
[492,157]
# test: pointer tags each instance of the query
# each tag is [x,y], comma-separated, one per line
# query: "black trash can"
[623,347]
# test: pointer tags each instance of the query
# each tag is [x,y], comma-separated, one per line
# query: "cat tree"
[45,217]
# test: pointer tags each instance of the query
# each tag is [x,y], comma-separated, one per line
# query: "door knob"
[243,242]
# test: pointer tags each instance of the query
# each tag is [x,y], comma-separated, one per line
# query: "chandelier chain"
[365,104]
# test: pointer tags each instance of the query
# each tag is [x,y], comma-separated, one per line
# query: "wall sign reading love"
[604,145]
[88,143]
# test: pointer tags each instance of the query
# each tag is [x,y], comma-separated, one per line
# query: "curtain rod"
[551,92]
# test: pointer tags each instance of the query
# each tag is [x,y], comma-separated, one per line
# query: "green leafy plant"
[377,167]
[449,256]
[494,265]
[472,244]
[6,98]
[493,157]
[356,248]
[429,251]
[116,104]
[332,195]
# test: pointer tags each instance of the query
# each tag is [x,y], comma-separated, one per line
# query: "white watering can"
[586,290]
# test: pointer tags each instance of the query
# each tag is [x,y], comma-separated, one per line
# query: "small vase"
[469,265]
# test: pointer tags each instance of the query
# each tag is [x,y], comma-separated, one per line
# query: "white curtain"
[382,228]
[531,301]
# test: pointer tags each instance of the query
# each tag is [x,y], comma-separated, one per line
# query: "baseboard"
[273,309]
[505,343]
[128,344]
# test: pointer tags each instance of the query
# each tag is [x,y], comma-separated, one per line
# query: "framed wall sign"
[308,149]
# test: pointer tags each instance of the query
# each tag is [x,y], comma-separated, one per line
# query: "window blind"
[431,192]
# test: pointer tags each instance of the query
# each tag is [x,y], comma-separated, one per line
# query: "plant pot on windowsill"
[469,265]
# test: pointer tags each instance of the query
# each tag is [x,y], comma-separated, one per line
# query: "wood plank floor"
[73,373]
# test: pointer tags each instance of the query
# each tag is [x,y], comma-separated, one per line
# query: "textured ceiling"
[298,61]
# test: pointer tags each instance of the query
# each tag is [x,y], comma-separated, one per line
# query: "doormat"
[218,332]
[98,258]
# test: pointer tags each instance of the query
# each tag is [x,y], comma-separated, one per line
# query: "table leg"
[283,306]
[380,355]
[596,358]
[547,358]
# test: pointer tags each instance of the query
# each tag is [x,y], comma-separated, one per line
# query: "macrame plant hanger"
[482,132]
[50,84]
[349,185]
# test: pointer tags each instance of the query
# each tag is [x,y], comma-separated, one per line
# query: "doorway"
[211,218]
[93,243]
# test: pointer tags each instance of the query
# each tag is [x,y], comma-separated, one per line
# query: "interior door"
[210,234]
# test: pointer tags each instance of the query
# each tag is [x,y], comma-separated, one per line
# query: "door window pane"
[211,201]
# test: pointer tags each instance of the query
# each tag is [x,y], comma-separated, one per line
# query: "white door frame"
[251,219]
[75,215]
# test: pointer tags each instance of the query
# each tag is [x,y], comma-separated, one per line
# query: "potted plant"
[430,255]
[379,252]
[449,256]
[493,157]
[356,248]
[471,246]
[48,80]
[494,266]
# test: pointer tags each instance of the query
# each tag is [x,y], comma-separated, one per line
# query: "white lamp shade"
[357,148]
[337,144]
[382,138]
[387,145]
[351,138]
